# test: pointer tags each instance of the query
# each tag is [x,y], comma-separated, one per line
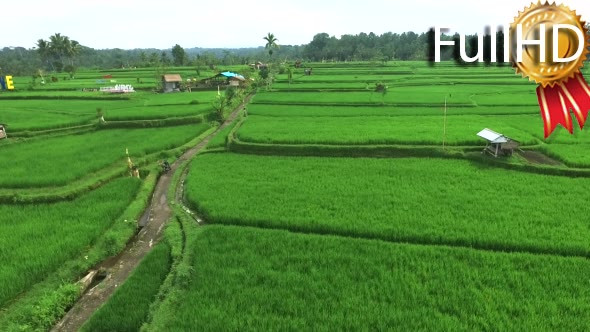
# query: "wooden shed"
[171,82]
[2,131]
[498,144]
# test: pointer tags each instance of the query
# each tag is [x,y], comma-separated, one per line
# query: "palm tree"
[73,48]
[44,51]
[271,43]
[57,44]
[57,47]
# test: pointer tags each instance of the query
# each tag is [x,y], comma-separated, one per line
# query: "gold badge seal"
[548,73]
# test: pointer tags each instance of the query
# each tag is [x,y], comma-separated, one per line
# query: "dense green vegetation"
[407,199]
[65,205]
[220,140]
[37,238]
[381,110]
[56,161]
[249,279]
[575,155]
[385,130]
[128,307]
[421,237]
[41,110]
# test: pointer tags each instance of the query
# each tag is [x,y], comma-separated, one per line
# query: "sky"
[129,24]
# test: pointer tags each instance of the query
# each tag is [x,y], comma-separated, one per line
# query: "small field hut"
[171,82]
[2,131]
[258,65]
[498,144]
[225,78]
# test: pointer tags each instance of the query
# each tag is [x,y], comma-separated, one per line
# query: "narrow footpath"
[121,266]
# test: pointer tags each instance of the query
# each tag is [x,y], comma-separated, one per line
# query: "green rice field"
[37,238]
[280,280]
[325,204]
[59,160]
[418,200]
[68,202]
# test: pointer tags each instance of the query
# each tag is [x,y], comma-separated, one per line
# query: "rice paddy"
[326,205]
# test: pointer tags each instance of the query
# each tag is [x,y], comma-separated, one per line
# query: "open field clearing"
[575,155]
[383,110]
[60,95]
[142,78]
[368,130]
[398,232]
[408,199]
[157,112]
[22,119]
[249,279]
[44,112]
[412,95]
[37,238]
[59,160]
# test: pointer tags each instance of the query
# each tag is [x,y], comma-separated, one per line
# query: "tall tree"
[143,59]
[72,50]
[58,49]
[164,58]
[44,52]
[271,43]
[178,55]
[57,46]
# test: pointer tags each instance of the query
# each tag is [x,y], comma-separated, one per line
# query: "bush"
[230,93]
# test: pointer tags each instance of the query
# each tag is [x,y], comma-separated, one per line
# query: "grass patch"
[422,200]
[253,280]
[37,238]
[376,130]
[57,161]
[128,307]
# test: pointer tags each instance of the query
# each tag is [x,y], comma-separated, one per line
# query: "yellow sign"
[6,83]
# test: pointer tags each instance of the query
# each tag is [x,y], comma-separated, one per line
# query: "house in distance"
[171,82]
[498,144]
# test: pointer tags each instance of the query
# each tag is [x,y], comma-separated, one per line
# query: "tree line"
[61,54]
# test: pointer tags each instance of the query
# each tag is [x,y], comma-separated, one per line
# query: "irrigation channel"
[153,221]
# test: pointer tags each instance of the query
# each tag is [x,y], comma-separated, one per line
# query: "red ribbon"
[557,101]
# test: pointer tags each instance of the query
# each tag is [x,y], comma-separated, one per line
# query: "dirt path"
[120,267]
[538,158]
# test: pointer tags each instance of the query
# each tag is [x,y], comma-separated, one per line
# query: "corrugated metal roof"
[492,136]
[171,78]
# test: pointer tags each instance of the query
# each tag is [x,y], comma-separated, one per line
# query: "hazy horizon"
[150,24]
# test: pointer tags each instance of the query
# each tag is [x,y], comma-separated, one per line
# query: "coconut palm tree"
[44,51]
[58,49]
[271,43]
[73,48]
[57,44]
